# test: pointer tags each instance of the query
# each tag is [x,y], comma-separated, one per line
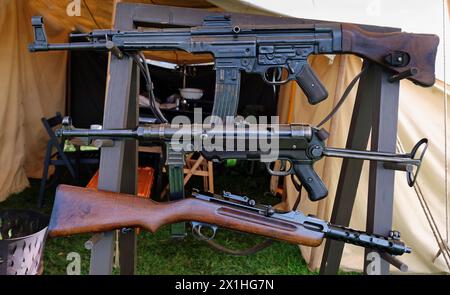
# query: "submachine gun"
[263,49]
[300,145]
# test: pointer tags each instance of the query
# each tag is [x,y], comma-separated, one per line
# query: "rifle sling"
[343,97]
[241,252]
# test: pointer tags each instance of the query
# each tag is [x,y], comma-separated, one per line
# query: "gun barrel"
[34,47]
[166,131]
[107,133]
[355,237]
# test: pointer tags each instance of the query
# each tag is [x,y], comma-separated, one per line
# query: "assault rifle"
[301,145]
[263,49]
[80,210]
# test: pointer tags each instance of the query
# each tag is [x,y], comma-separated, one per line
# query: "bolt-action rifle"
[301,145]
[80,210]
[263,49]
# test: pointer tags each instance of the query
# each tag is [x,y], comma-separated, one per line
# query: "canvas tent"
[33,86]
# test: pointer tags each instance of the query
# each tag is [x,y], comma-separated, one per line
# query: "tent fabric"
[33,86]
[420,115]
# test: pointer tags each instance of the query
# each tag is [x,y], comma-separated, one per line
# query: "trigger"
[214,230]
[291,66]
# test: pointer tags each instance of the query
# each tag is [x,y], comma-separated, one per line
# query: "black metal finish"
[297,143]
[397,59]
[403,75]
[363,239]
[254,49]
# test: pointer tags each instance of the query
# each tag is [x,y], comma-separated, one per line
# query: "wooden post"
[118,164]
[381,181]
[376,109]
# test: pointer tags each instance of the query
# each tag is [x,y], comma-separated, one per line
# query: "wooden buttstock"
[375,46]
[80,210]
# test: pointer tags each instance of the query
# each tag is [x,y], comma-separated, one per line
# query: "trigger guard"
[279,173]
[197,229]
[263,74]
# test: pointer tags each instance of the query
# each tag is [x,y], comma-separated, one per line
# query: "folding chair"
[72,160]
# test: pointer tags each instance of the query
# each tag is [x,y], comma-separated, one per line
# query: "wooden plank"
[118,164]
[150,149]
[357,138]
[381,181]
[210,177]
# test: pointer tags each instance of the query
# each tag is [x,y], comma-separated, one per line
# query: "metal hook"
[403,75]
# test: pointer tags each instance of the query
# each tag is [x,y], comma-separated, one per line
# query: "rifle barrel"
[107,133]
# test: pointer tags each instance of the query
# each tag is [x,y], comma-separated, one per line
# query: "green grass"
[160,254]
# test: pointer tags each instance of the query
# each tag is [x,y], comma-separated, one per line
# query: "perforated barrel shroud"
[22,239]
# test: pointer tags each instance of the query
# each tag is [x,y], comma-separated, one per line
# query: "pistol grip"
[311,181]
[311,85]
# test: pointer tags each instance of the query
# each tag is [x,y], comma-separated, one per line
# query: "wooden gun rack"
[377,99]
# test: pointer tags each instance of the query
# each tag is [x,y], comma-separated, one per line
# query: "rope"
[426,209]
[240,252]
[140,61]
[343,97]
[92,16]
[237,252]
[298,186]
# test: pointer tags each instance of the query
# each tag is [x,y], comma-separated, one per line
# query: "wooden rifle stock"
[80,210]
[421,49]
